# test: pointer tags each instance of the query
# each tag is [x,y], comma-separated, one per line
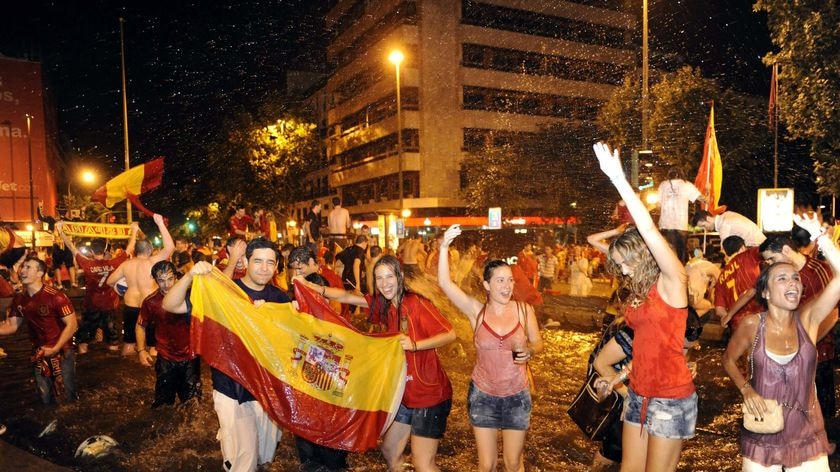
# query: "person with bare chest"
[137,272]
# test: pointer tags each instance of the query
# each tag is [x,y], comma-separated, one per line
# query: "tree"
[264,156]
[678,122]
[551,173]
[808,39]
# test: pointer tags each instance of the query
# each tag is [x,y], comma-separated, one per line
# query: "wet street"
[115,395]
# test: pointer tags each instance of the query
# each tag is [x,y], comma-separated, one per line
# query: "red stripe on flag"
[771,105]
[152,175]
[296,411]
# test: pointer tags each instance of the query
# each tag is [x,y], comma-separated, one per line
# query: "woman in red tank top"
[661,405]
[506,335]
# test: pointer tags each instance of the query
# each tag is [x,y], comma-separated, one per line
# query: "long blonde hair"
[635,252]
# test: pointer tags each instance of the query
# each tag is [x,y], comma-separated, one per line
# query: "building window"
[378,149]
[526,22]
[382,188]
[479,139]
[527,103]
[510,60]
[404,14]
[379,110]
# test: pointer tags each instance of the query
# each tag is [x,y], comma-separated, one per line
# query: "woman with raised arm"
[506,336]
[661,402]
[781,342]
[428,393]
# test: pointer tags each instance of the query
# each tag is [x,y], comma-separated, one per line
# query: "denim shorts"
[425,422]
[488,411]
[671,418]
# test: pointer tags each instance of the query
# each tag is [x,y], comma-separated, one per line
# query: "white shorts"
[820,464]
[247,435]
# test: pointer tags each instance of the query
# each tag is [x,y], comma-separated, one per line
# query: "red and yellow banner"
[132,182]
[710,175]
[319,378]
[97,230]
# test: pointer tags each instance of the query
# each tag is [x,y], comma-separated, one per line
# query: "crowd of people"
[776,295]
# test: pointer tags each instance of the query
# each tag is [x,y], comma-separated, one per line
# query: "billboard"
[21,93]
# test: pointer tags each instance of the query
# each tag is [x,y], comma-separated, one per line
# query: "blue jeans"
[68,373]
[671,418]
[488,411]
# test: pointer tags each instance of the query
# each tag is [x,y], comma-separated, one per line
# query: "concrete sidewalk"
[18,460]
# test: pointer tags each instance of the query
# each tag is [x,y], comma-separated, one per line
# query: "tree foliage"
[549,173]
[264,156]
[808,39]
[680,104]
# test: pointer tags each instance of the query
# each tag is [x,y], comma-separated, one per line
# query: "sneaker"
[2,429]
[82,348]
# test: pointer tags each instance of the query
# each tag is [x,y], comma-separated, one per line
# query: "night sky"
[191,63]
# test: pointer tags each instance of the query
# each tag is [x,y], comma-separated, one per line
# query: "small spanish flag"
[133,182]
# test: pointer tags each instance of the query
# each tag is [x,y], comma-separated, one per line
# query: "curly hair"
[635,252]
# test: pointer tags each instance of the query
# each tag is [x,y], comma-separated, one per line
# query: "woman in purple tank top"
[782,341]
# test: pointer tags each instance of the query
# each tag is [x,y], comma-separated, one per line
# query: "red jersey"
[815,275]
[240,224]
[172,331]
[99,296]
[333,278]
[738,276]
[43,312]
[659,365]
[426,382]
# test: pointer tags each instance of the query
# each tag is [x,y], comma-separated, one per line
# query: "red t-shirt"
[44,312]
[240,224]
[98,294]
[426,382]
[815,275]
[659,366]
[172,331]
[737,277]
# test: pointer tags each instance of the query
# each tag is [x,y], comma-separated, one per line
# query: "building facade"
[475,74]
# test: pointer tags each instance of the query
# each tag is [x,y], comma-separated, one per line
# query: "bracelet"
[141,350]
[324,291]
[746,384]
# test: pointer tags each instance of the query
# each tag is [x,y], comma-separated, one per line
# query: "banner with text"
[97,230]
[21,93]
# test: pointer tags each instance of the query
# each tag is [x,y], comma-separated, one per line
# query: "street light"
[396,57]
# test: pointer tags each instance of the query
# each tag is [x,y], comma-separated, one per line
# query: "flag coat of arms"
[314,374]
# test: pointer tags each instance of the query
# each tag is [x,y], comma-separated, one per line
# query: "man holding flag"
[248,436]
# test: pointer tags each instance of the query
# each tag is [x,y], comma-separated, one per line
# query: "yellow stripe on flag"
[327,361]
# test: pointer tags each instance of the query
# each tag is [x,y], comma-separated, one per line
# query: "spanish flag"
[317,377]
[710,176]
[133,182]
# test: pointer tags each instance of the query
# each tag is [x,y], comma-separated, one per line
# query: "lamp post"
[396,57]
[125,112]
[31,186]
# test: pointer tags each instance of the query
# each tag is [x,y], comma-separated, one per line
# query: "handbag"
[594,417]
[773,420]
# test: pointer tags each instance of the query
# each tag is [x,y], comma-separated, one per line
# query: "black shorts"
[426,422]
